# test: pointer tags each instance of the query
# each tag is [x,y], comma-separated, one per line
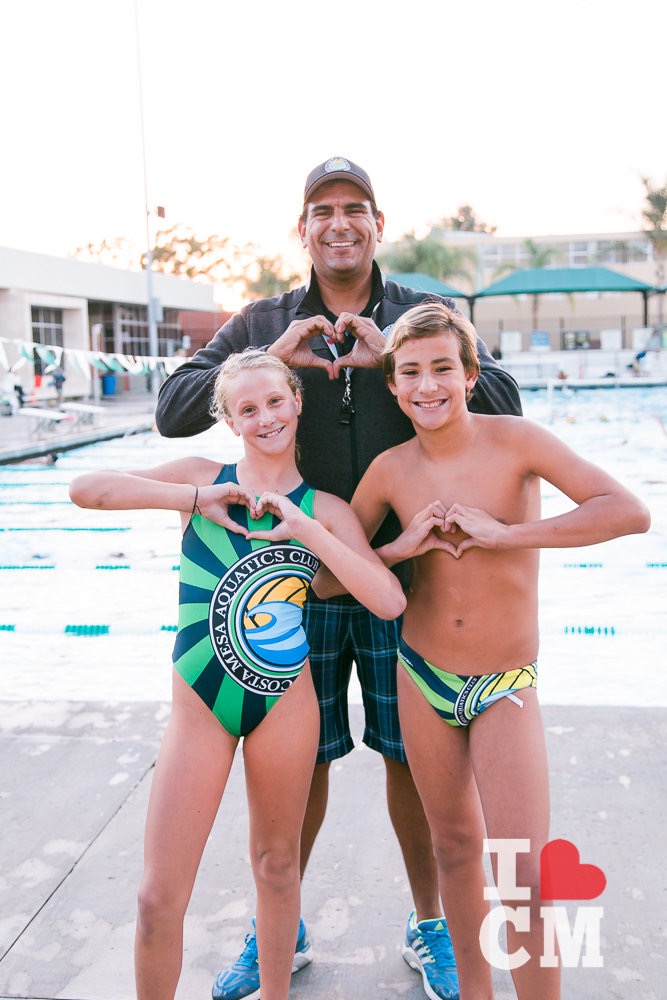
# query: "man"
[331,330]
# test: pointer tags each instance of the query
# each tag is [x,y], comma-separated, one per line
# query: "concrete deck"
[74,781]
[120,415]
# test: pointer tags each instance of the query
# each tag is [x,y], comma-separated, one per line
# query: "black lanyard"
[346,405]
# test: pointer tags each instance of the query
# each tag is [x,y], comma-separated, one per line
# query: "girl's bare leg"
[510,764]
[439,759]
[190,776]
[279,759]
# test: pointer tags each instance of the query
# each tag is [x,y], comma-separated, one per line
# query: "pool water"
[90,598]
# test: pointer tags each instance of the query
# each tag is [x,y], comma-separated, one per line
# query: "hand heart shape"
[563,876]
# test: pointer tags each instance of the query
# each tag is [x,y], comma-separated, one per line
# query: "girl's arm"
[184,485]
[335,535]
[161,488]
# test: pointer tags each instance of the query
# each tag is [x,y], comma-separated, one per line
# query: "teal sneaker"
[240,981]
[428,949]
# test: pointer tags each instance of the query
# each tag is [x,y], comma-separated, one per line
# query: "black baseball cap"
[337,168]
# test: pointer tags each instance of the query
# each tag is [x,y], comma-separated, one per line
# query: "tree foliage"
[535,255]
[179,251]
[268,276]
[428,256]
[465,221]
[116,252]
[654,214]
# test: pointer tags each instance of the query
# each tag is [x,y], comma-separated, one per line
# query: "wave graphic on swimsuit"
[282,640]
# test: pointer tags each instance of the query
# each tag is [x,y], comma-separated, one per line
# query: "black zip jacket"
[333,455]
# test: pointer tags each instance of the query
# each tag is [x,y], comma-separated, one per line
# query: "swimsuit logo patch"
[255,617]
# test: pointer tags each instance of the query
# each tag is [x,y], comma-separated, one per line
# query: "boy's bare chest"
[498,487]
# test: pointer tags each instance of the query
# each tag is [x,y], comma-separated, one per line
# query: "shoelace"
[249,954]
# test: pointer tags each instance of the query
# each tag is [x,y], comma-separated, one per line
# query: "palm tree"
[428,256]
[655,214]
[537,256]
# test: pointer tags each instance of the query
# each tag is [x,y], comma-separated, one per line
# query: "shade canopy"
[425,283]
[542,280]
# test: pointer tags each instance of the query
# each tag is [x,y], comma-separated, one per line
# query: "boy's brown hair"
[427,320]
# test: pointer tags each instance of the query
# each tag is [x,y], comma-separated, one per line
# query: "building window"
[47,330]
[133,322]
[579,254]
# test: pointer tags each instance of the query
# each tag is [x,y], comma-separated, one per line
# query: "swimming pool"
[90,598]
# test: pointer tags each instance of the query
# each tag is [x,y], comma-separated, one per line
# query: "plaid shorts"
[341,632]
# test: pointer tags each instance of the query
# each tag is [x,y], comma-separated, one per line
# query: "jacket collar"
[312,304]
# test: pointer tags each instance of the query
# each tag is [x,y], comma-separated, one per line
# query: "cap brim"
[339,175]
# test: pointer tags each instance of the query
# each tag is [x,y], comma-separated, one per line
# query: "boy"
[466,490]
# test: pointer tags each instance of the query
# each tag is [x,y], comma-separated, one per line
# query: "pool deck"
[74,784]
[22,439]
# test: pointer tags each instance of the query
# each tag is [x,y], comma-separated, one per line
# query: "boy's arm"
[371,503]
[605,509]
[335,535]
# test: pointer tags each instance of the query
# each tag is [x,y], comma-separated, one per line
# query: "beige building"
[92,321]
[584,321]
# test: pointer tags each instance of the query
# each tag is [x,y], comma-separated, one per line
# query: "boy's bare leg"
[440,762]
[509,759]
[414,837]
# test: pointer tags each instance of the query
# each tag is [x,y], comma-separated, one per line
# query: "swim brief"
[458,698]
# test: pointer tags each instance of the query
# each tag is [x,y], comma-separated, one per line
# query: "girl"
[255,537]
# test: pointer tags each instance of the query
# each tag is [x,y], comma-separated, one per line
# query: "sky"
[543,117]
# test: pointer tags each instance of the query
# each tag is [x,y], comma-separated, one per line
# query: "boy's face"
[430,382]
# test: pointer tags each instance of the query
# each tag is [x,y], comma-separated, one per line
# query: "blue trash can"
[108,385]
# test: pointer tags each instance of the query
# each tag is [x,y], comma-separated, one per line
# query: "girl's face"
[263,410]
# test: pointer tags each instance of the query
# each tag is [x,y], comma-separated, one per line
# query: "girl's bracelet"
[195,507]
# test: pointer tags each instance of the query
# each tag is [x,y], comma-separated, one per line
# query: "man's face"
[340,231]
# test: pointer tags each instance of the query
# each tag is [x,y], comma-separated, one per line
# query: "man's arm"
[495,391]
[185,397]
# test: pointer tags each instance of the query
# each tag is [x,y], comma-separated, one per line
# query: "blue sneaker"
[240,981]
[428,949]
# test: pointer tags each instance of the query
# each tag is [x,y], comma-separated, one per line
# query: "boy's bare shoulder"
[505,428]
[388,460]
